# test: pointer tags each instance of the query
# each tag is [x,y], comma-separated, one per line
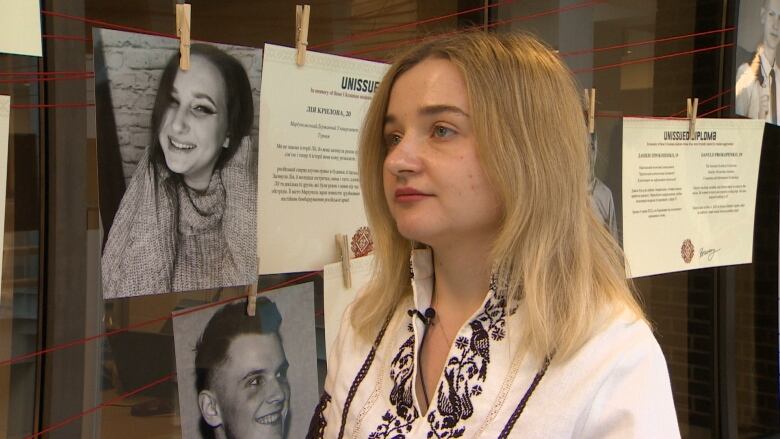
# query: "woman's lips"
[408,195]
[181,145]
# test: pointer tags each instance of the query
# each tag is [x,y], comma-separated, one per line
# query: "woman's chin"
[415,233]
[175,167]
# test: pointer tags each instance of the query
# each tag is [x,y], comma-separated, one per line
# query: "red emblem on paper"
[686,251]
[362,244]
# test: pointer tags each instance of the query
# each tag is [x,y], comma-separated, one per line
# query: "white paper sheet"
[336,297]
[308,188]
[689,204]
[20,27]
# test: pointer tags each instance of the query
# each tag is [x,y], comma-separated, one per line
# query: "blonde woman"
[515,318]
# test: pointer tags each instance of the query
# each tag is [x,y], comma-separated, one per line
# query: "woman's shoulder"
[624,333]
[617,384]
[623,344]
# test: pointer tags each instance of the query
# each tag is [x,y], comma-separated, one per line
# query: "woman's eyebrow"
[431,110]
[206,97]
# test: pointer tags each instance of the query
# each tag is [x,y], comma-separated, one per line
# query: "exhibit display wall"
[77,361]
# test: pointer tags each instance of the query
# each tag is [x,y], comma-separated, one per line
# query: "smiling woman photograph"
[499,305]
[187,218]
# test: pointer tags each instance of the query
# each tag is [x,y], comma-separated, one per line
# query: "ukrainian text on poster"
[308,181]
[689,202]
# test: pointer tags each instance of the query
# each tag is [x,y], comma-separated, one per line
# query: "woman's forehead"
[203,77]
[432,82]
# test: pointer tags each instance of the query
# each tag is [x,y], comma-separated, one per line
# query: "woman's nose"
[404,157]
[180,123]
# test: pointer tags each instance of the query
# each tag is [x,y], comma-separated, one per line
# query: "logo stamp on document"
[362,244]
[687,250]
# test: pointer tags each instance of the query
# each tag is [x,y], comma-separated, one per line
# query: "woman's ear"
[209,408]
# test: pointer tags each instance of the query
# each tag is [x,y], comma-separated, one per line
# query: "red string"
[675,116]
[106,24]
[638,116]
[365,35]
[472,28]
[45,79]
[82,341]
[641,43]
[45,73]
[651,58]
[714,111]
[101,406]
[684,110]
[61,105]
[67,38]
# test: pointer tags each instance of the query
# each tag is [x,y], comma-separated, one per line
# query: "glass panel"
[596,42]
[595,38]
[21,252]
[756,308]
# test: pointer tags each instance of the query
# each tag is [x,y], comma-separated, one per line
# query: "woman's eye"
[173,102]
[442,131]
[392,140]
[256,381]
[203,110]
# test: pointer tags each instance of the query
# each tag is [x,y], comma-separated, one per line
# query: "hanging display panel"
[310,116]
[689,202]
[20,27]
[177,164]
[248,376]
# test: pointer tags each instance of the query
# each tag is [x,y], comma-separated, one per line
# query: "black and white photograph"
[177,164]
[242,376]
[601,199]
[758,34]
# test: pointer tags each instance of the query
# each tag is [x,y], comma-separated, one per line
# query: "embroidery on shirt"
[396,424]
[361,375]
[466,371]
[318,421]
[507,430]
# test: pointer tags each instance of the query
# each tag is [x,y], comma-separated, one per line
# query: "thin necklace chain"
[437,322]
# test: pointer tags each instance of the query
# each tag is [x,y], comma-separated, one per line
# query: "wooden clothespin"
[301,32]
[693,108]
[346,271]
[251,296]
[590,98]
[251,299]
[183,17]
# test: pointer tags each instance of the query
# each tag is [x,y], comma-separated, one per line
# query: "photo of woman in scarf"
[187,220]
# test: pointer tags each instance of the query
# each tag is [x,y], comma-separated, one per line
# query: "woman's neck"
[462,275]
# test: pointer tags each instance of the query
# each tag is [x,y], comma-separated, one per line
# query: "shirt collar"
[421,263]
[765,64]
[422,277]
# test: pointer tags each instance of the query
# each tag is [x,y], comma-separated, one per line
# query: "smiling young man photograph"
[241,374]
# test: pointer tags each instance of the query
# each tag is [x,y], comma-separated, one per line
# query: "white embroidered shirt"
[615,386]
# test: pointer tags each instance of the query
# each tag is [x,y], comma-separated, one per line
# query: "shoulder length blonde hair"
[556,258]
